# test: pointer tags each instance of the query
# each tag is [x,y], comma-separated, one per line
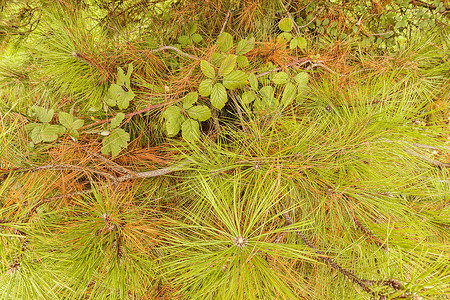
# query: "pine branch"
[364,284]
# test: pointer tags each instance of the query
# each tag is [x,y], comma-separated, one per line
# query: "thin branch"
[369,233]
[164,48]
[312,20]
[297,30]
[116,167]
[300,62]
[60,167]
[226,21]
[129,115]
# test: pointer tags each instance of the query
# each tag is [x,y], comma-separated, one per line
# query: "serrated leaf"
[235,79]
[197,38]
[115,122]
[115,142]
[280,78]
[218,96]
[227,65]
[205,87]
[225,42]
[289,94]
[200,112]
[189,100]
[242,61]
[35,134]
[286,24]
[30,126]
[244,46]
[267,94]
[217,58]
[190,130]
[65,119]
[302,79]
[173,119]
[253,81]
[248,97]
[77,124]
[50,133]
[207,69]
[43,114]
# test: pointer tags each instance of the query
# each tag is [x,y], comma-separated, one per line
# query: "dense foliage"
[224,149]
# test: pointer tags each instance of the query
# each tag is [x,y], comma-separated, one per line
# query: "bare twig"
[164,48]
[129,115]
[226,20]
[369,233]
[56,167]
[116,167]
[364,284]
[297,30]
[300,62]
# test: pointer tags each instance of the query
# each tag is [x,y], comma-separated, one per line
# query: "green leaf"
[190,130]
[197,38]
[248,97]
[253,81]
[77,124]
[199,112]
[193,29]
[123,101]
[42,114]
[227,65]
[35,134]
[289,94]
[116,141]
[173,120]
[244,46]
[284,37]
[129,71]
[267,94]
[302,79]
[65,119]
[235,79]
[242,61]
[189,100]
[115,122]
[225,42]
[207,69]
[121,78]
[205,87]
[300,42]
[218,96]
[280,78]
[49,133]
[286,24]
[217,58]
[293,44]
[183,40]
